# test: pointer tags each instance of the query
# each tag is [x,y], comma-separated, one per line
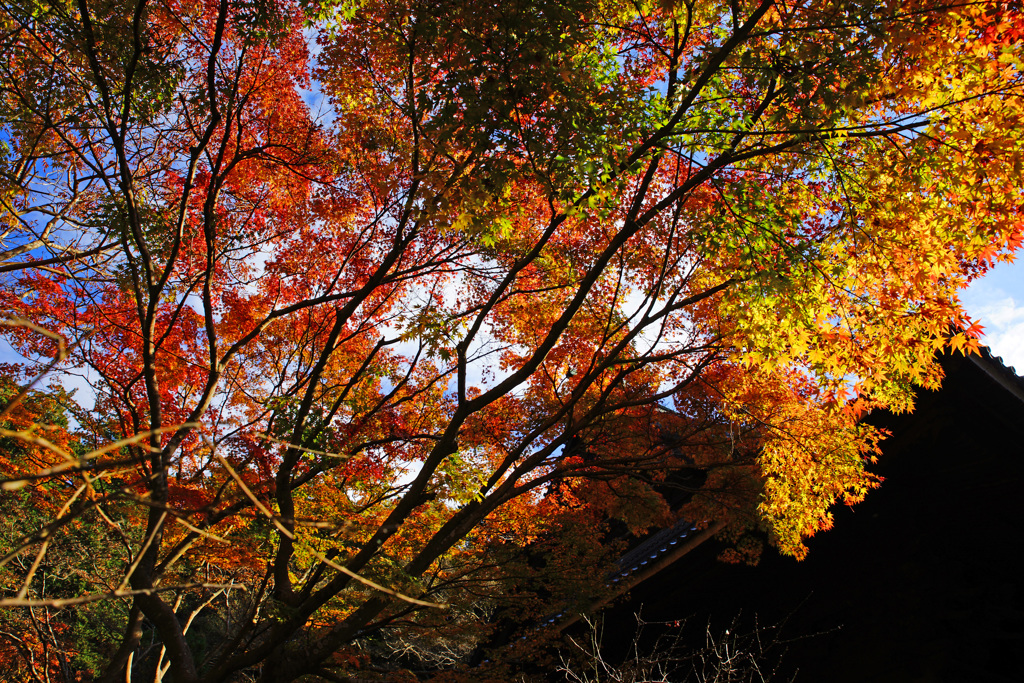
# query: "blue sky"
[997,301]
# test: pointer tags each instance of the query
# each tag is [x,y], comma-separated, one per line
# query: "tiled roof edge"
[654,546]
[1003,375]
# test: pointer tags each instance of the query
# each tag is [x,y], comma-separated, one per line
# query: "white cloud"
[996,300]
[1004,330]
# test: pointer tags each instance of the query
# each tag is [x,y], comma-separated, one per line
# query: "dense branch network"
[401,338]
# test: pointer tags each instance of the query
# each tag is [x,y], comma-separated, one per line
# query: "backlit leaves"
[456,295]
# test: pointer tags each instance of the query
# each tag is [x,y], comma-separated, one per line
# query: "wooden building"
[922,582]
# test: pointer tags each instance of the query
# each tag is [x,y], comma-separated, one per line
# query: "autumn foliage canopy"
[388,318]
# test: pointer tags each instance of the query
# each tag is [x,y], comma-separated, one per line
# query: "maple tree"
[382,335]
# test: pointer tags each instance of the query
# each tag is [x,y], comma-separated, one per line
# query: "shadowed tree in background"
[369,332]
